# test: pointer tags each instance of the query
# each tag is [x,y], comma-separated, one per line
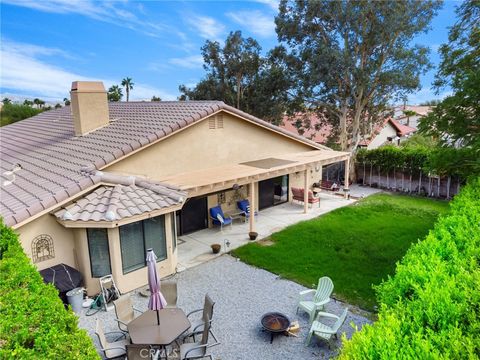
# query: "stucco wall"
[199,147]
[63,240]
[387,131]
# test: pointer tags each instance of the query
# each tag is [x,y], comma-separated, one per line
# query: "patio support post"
[347,181]
[252,207]
[305,191]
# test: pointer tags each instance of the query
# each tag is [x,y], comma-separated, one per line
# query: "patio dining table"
[145,329]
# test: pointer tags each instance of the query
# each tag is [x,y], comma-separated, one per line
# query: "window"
[137,237]
[173,225]
[99,252]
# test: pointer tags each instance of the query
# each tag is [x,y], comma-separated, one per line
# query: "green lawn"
[356,246]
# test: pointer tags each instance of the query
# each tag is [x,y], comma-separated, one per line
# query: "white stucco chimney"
[89,106]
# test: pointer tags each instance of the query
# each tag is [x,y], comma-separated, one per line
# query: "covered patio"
[194,248]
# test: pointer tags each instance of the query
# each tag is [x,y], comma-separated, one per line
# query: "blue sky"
[47,44]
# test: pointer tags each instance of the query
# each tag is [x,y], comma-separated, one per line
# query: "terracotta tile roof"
[114,203]
[51,156]
[402,129]
[319,131]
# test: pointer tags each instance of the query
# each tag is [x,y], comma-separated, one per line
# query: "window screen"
[137,237]
[154,233]
[132,246]
[99,252]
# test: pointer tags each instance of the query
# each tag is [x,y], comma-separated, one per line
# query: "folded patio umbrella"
[157,301]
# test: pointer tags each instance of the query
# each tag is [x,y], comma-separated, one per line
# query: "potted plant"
[216,248]
[253,235]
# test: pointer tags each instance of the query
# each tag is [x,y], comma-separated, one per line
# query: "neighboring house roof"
[320,135]
[402,130]
[419,109]
[52,157]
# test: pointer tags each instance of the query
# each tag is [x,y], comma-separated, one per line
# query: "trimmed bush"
[430,309]
[33,321]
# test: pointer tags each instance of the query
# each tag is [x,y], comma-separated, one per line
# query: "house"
[95,184]
[412,116]
[389,132]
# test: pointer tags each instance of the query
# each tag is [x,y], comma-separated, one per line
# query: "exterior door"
[272,192]
[193,216]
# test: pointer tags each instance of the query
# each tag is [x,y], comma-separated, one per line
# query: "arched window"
[42,248]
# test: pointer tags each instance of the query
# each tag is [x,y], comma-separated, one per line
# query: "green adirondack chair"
[324,331]
[321,297]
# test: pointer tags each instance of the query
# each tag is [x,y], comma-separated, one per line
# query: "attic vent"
[220,121]
[211,123]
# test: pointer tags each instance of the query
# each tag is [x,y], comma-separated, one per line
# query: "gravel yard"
[243,294]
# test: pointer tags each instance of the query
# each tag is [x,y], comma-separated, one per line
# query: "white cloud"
[273,4]
[189,62]
[22,72]
[106,11]
[255,21]
[207,27]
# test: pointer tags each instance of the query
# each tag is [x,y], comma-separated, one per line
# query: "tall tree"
[455,121]
[66,101]
[349,58]
[6,101]
[27,102]
[239,76]
[128,84]
[156,98]
[114,93]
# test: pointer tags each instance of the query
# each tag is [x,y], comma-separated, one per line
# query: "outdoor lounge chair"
[197,350]
[197,326]
[320,298]
[124,311]
[324,331]
[169,291]
[218,218]
[244,206]
[110,349]
[142,352]
[298,195]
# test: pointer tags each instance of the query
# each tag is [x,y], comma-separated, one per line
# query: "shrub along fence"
[430,309]
[411,170]
[33,321]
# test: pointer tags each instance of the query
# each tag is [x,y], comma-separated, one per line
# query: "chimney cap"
[88,86]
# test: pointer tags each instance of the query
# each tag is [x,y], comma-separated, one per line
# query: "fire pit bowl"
[275,323]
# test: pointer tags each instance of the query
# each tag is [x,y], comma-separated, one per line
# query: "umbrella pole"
[158,318]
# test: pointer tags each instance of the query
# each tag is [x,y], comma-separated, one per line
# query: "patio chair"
[197,326]
[218,218]
[110,349]
[124,311]
[142,352]
[320,298]
[298,195]
[169,291]
[323,331]
[197,350]
[244,206]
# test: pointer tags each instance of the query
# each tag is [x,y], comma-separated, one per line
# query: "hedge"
[430,308]
[33,321]
[441,161]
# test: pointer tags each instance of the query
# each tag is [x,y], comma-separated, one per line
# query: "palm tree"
[28,102]
[408,114]
[128,83]
[66,101]
[114,93]
[6,101]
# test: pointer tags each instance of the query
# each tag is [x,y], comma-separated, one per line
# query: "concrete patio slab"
[194,248]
